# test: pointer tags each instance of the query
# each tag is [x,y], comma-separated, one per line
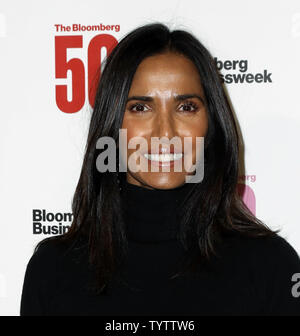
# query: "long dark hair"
[212,207]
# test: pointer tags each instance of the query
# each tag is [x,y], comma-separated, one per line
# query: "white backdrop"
[41,147]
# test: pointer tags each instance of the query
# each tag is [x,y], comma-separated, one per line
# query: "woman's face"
[161,79]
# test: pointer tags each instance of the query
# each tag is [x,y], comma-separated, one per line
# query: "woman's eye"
[189,107]
[138,108]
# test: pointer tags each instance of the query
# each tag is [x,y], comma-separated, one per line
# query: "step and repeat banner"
[50,51]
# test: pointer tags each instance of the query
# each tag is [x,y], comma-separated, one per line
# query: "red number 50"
[77,68]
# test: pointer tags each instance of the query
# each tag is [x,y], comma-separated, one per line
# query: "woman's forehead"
[165,75]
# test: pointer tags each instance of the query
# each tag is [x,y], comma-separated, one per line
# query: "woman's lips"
[163,160]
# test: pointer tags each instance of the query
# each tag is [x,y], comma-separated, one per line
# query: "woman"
[147,242]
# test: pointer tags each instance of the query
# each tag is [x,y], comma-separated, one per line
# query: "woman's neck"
[151,215]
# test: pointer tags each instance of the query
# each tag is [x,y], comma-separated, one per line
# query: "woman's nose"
[163,125]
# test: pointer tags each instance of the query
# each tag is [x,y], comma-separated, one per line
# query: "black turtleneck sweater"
[251,276]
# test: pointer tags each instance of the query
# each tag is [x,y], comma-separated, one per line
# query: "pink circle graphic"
[248,196]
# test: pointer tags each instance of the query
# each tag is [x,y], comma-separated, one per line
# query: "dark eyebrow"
[177,98]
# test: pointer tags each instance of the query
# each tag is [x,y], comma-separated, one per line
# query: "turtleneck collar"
[151,215]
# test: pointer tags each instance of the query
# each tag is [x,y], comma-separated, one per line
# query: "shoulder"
[49,249]
[270,266]
[52,261]
[48,254]
[41,276]
[267,260]
[263,248]
[264,256]
[45,256]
